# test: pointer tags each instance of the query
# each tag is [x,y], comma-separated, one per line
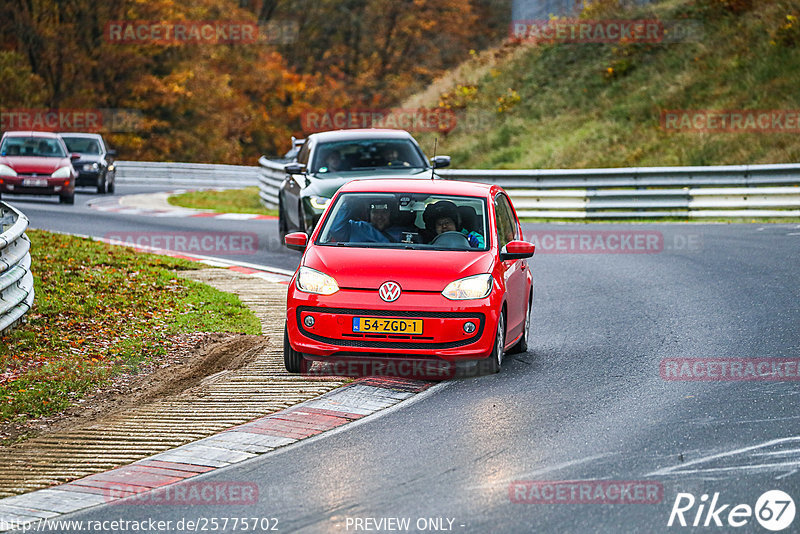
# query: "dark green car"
[328,160]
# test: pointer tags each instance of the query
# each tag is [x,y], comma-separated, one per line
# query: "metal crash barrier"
[270,180]
[634,192]
[648,192]
[16,280]
[186,174]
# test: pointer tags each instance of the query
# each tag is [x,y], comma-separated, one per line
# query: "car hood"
[31,164]
[326,185]
[414,270]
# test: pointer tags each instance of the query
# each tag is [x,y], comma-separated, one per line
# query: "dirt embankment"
[192,359]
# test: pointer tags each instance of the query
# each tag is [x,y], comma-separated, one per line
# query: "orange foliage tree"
[229,102]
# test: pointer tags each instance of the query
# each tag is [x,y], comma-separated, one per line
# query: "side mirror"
[74,156]
[294,168]
[296,241]
[517,250]
[111,152]
[440,162]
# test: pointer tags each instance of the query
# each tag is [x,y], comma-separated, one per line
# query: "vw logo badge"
[389,291]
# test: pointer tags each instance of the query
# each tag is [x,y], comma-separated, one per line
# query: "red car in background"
[36,163]
[411,269]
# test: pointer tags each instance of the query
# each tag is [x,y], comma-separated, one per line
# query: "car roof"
[49,135]
[417,185]
[79,134]
[360,133]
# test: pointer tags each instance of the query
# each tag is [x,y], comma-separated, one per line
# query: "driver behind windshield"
[391,157]
[443,216]
[379,229]
[333,162]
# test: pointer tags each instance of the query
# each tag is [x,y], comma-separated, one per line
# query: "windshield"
[32,146]
[82,145]
[406,220]
[367,154]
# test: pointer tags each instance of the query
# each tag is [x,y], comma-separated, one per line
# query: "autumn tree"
[230,102]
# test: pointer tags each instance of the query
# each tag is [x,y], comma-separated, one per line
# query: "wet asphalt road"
[588,402]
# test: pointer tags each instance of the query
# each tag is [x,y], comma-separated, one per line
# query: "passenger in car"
[444,216]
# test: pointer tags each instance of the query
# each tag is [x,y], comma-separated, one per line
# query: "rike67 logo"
[774,511]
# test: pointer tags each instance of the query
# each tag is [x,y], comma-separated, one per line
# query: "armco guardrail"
[16,280]
[270,179]
[648,192]
[186,174]
[636,192]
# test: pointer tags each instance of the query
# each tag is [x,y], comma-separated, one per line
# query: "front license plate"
[380,325]
[34,182]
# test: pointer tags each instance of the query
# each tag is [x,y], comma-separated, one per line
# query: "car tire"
[67,200]
[101,187]
[292,360]
[522,344]
[110,187]
[283,227]
[302,217]
[495,360]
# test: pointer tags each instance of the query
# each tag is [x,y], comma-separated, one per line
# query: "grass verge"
[229,201]
[100,311]
[591,105]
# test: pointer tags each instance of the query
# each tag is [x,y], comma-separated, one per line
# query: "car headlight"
[471,287]
[90,166]
[5,170]
[311,281]
[319,203]
[63,172]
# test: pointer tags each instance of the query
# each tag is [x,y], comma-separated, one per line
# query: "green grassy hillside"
[600,105]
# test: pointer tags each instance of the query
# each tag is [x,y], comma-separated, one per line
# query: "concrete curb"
[359,399]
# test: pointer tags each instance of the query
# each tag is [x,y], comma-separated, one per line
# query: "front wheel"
[522,344]
[67,200]
[101,185]
[292,360]
[495,360]
[283,226]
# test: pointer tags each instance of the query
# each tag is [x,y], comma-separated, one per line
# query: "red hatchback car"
[36,163]
[411,269]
